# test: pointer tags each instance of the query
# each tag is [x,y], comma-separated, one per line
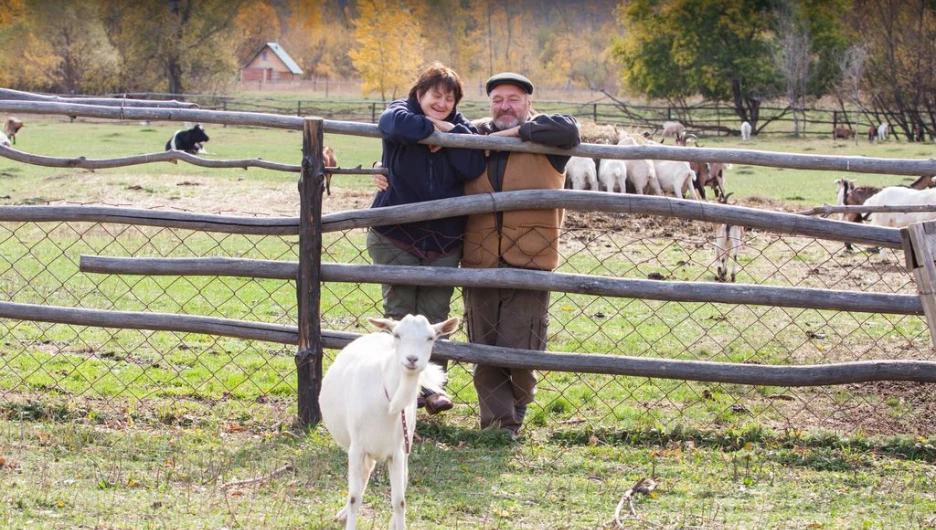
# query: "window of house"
[263,55]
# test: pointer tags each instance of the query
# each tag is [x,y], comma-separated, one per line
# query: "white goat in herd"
[901,196]
[581,172]
[368,402]
[641,173]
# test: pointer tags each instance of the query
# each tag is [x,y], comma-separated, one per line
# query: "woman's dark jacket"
[417,175]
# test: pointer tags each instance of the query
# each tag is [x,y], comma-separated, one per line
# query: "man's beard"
[506,120]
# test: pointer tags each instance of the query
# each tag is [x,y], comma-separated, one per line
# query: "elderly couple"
[526,239]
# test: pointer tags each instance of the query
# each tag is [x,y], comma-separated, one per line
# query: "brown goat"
[330,161]
[843,133]
[11,127]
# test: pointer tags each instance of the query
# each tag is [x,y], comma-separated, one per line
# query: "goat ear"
[446,328]
[383,324]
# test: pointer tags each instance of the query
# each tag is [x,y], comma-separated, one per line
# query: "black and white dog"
[191,141]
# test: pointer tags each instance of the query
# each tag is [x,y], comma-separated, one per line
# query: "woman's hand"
[441,125]
[381,182]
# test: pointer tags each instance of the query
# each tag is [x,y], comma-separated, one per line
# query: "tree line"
[876,56]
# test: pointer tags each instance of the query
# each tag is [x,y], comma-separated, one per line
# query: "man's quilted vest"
[527,239]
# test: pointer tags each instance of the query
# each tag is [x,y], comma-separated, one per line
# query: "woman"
[416,173]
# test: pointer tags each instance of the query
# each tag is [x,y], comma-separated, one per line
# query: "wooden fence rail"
[586,201]
[682,291]
[708,371]
[852,164]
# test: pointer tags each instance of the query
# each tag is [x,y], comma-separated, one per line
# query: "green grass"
[79,473]
[135,429]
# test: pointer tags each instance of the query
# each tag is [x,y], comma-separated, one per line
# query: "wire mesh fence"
[125,375]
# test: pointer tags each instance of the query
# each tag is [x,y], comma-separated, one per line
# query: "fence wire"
[129,375]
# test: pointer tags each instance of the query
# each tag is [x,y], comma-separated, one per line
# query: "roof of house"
[283,56]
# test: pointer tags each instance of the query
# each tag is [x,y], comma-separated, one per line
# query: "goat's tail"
[433,377]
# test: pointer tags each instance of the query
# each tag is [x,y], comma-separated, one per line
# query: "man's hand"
[513,132]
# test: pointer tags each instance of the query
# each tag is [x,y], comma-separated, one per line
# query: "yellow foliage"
[257,24]
[389,47]
[11,12]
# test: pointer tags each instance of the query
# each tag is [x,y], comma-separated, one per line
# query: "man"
[525,239]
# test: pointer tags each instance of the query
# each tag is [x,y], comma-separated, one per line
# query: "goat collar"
[406,441]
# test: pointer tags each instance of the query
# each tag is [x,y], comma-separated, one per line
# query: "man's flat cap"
[509,78]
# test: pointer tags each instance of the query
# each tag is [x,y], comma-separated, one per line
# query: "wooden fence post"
[919,242]
[308,280]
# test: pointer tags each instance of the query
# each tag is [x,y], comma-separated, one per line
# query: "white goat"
[613,172]
[674,129]
[640,173]
[4,141]
[882,132]
[901,196]
[368,403]
[745,131]
[676,176]
[581,172]
[727,245]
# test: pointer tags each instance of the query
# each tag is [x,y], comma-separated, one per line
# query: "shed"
[271,64]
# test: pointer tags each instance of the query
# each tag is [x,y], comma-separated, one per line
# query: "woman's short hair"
[437,74]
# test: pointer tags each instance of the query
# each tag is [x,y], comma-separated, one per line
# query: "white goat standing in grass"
[368,402]
[727,245]
[745,131]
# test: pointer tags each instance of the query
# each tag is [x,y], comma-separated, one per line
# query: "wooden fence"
[310,272]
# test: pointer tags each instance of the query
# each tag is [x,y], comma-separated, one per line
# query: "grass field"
[130,429]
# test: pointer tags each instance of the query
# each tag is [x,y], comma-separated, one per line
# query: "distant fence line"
[712,118]
[855,164]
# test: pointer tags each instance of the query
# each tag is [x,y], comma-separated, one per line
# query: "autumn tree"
[12,30]
[793,58]
[67,48]
[389,46]
[450,33]
[720,49]
[573,45]
[257,23]
[318,37]
[175,45]
[900,73]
